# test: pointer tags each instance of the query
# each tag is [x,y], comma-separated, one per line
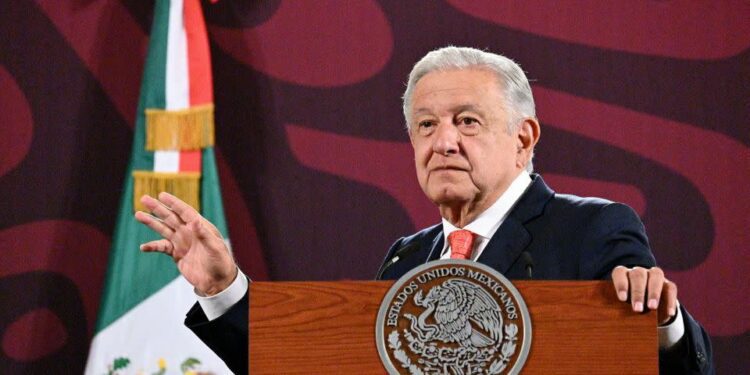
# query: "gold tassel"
[183,185]
[188,129]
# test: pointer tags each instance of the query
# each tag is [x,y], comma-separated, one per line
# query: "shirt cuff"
[671,333]
[216,305]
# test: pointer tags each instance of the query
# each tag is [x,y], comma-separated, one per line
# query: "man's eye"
[426,124]
[467,121]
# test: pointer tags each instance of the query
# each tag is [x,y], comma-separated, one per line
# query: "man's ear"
[527,137]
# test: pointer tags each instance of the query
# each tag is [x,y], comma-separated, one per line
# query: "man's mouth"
[447,168]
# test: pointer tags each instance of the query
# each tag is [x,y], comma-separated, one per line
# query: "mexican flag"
[140,329]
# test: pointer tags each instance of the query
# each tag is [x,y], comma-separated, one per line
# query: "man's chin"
[450,197]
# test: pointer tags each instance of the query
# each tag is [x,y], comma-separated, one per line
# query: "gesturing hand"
[637,283]
[192,241]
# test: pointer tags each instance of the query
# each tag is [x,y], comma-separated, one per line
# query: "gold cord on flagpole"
[183,185]
[187,129]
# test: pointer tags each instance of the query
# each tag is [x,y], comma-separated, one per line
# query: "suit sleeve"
[616,236]
[226,335]
[692,355]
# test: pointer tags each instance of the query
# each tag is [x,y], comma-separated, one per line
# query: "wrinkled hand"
[639,283]
[192,241]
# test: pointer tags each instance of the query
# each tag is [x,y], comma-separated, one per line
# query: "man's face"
[464,156]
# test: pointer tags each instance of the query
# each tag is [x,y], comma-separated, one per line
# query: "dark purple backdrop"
[646,103]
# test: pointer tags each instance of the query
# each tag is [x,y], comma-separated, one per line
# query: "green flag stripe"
[131,276]
[211,205]
[153,86]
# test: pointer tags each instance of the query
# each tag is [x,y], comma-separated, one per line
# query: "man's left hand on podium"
[646,287]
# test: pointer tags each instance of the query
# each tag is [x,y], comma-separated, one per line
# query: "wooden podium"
[329,328]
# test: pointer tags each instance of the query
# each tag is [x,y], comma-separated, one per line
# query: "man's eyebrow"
[420,111]
[458,108]
[467,107]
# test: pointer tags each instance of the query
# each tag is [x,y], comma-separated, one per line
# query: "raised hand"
[192,241]
[646,287]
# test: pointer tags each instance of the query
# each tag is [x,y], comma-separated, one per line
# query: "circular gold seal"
[453,317]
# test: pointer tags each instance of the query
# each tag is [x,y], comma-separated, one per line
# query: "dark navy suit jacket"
[568,237]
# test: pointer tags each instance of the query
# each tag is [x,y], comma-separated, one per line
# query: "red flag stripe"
[199,59]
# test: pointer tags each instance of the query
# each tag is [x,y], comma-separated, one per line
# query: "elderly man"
[472,123]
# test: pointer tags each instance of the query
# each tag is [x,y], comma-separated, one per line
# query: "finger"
[186,213]
[638,278]
[149,202]
[655,284]
[669,296]
[620,281]
[199,230]
[155,224]
[207,236]
[162,212]
[213,228]
[161,246]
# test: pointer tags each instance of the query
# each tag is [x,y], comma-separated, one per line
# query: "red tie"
[461,242]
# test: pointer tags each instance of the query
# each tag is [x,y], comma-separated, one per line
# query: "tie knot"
[461,242]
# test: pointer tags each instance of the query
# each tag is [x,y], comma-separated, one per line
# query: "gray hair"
[517,97]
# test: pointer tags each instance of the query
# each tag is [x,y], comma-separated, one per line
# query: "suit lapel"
[505,246]
[510,240]
[437,247]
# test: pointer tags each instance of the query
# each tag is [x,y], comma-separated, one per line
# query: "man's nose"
[447,139]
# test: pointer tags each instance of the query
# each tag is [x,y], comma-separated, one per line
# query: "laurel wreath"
[498,366]
[506,351]
[395,344]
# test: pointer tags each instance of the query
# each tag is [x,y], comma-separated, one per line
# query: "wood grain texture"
[329,328]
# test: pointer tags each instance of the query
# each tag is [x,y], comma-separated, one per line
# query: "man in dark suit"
[472,123]
[568,238]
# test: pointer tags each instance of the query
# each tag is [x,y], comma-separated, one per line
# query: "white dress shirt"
[216,305]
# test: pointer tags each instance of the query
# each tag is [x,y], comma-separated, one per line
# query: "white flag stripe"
[178,77]
[139,336]
[167,161]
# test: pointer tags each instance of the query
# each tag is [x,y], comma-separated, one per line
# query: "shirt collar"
[487,223]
